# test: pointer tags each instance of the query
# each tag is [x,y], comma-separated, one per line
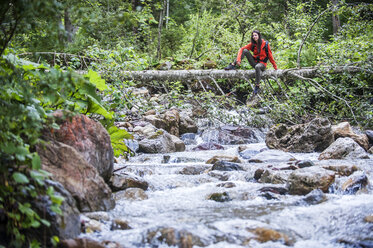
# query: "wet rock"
[369,219]
[132,144]
[313,136]
[222,176]
[263,235]
[163,143]
[354,183]
[226,166]
[172,237]
[86,136]
[343,170]
[247,153]
[344,148]
[166,159]
[316,196]
[79,243]
[305,163]
[133,194]
[208,146]
[270,156]
[120,224]
[275,177]
[124,181]
[77,176]
[219,197]
[189,138]
[269,196]
[192,170]
[303,181]
[99,216]
[275,190]
[226,185]
[217,158]
[111,244]
[156,121]
[344,129]
[258,174]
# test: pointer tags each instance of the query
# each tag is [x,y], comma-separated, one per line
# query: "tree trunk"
[160,24]
[69,28]
[335,17]
[188,75]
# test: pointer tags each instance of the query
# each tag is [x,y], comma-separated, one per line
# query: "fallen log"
[188,75]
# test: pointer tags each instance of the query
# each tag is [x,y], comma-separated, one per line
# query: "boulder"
[370,150]
[219,197]
[168,121]
[344,129]
[189,138]
[369,134]
[344,148]
[303,181]
[79,177]
[313,136]
[88,137]
[172,237]
[124,181]
[271,176]
[270,156]
[230,135]
[162,143]
[120,224]
[80,242]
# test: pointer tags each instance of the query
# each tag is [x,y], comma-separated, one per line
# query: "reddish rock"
[89,138]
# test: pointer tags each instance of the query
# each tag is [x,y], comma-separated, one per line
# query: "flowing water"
[179,202]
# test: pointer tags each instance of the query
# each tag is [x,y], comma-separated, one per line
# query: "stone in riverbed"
[313,136]
[303,181]
[217,158]
[219,197]
[264,235]
[121,182]
[208,146]
[344,148]
[226,166]
[344,129]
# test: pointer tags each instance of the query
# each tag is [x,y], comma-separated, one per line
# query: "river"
[177,205]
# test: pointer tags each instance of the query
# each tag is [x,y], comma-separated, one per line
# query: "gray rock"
[313,136]
[344,148]
[369,133]
[163,143]
[189,138]
[226,166]
[247,154]
[305,163]
[316,196]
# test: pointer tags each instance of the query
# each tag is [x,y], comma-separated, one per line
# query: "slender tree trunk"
[167,12]
[160,24]
[69,28]
[335,17]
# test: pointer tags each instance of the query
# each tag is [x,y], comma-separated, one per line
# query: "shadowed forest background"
[70,55]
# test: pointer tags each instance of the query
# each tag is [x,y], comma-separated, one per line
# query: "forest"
[82,56]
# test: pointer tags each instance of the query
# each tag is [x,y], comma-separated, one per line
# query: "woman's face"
[256,36]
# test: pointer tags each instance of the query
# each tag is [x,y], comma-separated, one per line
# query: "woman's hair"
[259,45]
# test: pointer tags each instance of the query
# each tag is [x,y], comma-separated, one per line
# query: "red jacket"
[262,54]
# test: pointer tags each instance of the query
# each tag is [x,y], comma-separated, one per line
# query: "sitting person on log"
[262,52]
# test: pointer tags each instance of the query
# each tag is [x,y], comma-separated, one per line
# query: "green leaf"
[20,178]
[45,222]
[95,107]
[96,79]
[36,164]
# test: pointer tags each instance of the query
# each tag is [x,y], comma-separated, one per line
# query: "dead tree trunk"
[189,75]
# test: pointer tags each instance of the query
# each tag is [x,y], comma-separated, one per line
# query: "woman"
[262,52]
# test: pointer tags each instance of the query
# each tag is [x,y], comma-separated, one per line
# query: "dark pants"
[259,67]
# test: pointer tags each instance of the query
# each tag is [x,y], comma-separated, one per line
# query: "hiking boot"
[256,89]
[230,67]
